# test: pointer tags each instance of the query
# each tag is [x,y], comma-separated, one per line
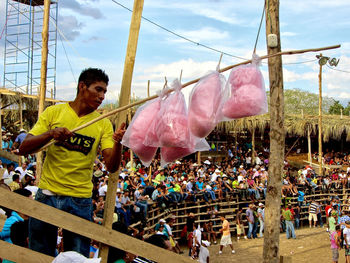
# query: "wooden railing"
[77,225]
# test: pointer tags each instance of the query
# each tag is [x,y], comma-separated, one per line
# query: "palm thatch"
[333,126]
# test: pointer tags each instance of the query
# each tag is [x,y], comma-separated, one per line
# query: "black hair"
[157,240]
[91,75]
[15,176]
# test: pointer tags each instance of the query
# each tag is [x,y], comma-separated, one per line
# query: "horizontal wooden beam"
[86,228]
[10,156]
[7,92]
[22,255]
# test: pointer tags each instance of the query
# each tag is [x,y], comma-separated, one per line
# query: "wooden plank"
[277,139]
[10,156]
[22,255]
[124,100]
[86,228]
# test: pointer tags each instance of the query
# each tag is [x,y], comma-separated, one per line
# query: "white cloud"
[288,34]
[208,34]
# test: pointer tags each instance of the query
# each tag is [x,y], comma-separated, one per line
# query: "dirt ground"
[311,245]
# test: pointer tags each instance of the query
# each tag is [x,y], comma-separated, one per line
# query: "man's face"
[94,94]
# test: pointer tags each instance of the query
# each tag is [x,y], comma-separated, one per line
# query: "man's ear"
[81,86]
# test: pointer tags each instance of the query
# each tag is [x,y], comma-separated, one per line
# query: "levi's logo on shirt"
[78,143]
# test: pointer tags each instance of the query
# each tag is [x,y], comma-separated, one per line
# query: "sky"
[94,33]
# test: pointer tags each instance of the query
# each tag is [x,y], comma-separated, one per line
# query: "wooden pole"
[277,139]
[131,152]
[123,100]
[309,144]
[20,108]
[123,108]
[199,158]
[320,120]
[341,113]
[253,146]
[43,76]
[148,87]
[0,122]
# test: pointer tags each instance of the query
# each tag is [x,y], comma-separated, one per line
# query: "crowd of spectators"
[240,173]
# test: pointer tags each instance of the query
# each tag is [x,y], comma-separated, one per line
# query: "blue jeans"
[250,229]
[290,229]
[143,205]
[126,215]
[43,236]
[212,194]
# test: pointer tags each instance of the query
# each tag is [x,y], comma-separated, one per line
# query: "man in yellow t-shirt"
[226,235]
[65,182]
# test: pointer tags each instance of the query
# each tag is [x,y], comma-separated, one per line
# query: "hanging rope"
[257,36]
[290,52]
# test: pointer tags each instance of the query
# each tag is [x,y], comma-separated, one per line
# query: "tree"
[347,109]
[336,108]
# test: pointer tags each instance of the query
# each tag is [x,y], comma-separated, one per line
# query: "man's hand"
[61,134]
[118,135]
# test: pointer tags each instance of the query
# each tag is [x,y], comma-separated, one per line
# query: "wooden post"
[43,76]
[277,139]
[0,122]
[20,108]
[253,146]
[130,151]
[199,158]
[341,113]
[148,87]
[302,113]
[123,100]
[309,144]
[320,120]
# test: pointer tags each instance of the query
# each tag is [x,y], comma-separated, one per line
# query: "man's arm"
[112,156]
[33,143]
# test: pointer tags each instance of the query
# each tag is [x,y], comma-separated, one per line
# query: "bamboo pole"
[253,146]
[43,76]
[123,100]
[0,122]
[309,144]
[148,87]
[320,120]
[123,108]
[20,108]
[131,152]
[277,139]
[199,158]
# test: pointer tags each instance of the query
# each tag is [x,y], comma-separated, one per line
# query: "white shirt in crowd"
[102,190]
[23,172]
[203,254]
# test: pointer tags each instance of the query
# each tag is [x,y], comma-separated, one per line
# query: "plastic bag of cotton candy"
[246,92]
[171,154]
[170,127]
[138,130]
[205,103]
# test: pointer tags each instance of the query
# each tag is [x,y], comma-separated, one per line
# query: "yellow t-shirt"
[226,228]
[68,166]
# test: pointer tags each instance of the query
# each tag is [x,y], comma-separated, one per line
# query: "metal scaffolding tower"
[23,42]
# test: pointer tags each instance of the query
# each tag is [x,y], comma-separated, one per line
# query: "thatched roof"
[333,126]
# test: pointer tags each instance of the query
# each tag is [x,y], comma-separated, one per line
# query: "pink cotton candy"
[204,104]
[245,75]
[170,154]
[247,89]
[137,131]
[249,101]
[171,124]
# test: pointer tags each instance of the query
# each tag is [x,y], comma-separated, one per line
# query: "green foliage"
[346,110]
[296,100]
[336,108]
